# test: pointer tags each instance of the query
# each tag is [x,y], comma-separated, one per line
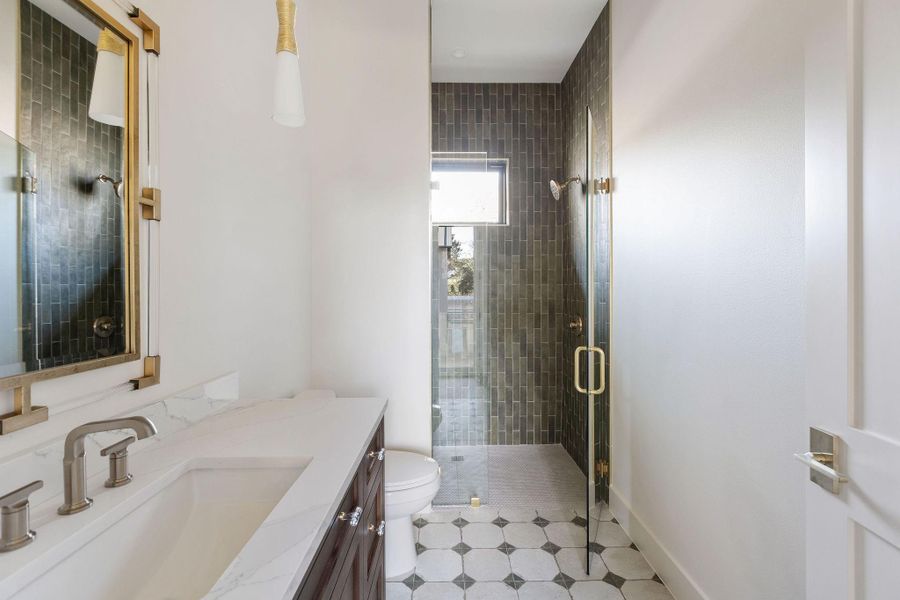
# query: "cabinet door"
[377,590]
[371,545]
[340,540]
[349,579]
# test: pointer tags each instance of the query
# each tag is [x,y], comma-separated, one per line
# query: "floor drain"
[457,458]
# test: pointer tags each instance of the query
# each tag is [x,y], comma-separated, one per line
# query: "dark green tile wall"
[72,254]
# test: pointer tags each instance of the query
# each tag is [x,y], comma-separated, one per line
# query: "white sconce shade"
[289,109]
[107,103]
[288,105]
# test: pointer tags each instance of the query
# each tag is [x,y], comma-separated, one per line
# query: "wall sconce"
[108,92]
[288,108]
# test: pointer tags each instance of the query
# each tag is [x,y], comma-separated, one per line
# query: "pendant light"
[288,106]
[108,91]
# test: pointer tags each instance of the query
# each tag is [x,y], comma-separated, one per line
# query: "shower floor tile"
[510,477]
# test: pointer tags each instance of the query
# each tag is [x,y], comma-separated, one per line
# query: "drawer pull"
[353,518]
[379,455]
[379,531]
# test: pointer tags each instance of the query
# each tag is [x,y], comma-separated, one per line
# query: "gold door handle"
[578,351]
[600,388]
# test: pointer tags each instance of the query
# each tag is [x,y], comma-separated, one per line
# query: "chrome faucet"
[73,459]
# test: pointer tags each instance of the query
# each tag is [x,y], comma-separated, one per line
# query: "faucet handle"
[118,462]
[15,531]
[16,498]
[119,447]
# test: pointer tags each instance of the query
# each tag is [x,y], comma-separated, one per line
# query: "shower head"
[554,189]
[117,185]
[557,189]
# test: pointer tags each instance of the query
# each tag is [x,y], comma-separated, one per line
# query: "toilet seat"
[407,470]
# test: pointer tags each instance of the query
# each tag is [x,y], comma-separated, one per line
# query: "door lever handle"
[820,462]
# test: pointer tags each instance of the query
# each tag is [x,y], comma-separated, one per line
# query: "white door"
[853,299]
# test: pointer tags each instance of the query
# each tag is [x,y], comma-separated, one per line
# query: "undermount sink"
[178,542]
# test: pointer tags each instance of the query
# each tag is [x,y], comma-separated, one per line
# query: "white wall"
[234,239]
[707,346]
[9,66]
[366,79]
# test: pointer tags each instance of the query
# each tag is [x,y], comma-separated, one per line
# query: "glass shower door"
[594,355]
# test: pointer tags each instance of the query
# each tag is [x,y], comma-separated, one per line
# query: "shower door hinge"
[29,184]
[604,185]
[151,204]
[603,468]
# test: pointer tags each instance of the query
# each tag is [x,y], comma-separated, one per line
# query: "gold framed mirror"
[69,197]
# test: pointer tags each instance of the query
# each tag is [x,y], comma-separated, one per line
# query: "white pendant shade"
[288,110]
[107,103]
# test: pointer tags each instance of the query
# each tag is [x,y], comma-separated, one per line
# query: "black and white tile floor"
[516,554]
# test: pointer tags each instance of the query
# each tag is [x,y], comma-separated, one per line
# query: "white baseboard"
[682,586]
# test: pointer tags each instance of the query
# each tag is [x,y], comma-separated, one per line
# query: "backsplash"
[72,271]
[171,414]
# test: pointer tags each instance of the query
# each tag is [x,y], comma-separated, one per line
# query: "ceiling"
[508,41]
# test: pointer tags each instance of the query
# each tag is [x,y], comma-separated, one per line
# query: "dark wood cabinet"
[349,565]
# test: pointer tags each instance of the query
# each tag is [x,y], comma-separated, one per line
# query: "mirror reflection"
[63,209]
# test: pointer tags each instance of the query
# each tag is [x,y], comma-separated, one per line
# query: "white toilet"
[410,483]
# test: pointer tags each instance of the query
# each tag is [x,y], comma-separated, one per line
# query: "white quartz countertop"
[331,433]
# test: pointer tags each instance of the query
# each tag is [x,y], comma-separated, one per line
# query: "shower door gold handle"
[600,388]
[578,352]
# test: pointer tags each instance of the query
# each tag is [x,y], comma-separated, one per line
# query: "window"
[469,191]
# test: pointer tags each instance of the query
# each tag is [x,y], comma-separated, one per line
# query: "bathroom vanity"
[349,564]
[280,499]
